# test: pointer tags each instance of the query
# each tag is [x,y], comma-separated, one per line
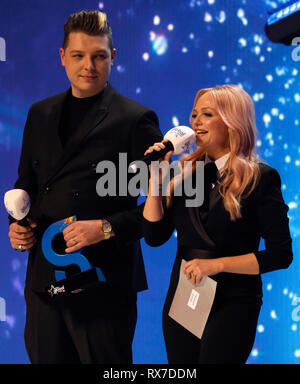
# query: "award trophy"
[78,282]
[17,203]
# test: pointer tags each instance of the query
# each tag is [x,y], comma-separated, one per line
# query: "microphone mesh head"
[181,137]
[17,203]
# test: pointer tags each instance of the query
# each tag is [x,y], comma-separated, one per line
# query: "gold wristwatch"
[107,229]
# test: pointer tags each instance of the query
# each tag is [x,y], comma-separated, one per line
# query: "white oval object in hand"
[182,138]
[17,203]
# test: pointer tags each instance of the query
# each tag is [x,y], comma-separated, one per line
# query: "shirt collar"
[220,162]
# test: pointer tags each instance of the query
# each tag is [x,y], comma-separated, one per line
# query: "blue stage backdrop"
[167,50]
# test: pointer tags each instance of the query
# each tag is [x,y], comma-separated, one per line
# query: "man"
[65,136]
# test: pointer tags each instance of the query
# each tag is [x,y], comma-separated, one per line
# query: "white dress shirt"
[220,163]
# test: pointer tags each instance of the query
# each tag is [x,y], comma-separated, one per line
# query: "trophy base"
[73,284]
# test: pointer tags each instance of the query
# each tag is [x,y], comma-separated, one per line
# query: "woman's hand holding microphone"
[157,169]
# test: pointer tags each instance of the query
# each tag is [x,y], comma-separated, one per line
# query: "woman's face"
[211,131]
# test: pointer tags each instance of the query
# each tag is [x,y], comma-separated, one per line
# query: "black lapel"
[194,213]
[214,197]
[199,227]
[53,122]
[91,121]
[195,217]
[215,194]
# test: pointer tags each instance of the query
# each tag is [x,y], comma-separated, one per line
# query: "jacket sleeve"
[273,224]
[158,232]
[26,176]
[127,225]
[145,134]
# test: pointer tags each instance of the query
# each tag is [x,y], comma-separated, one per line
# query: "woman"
[243,202]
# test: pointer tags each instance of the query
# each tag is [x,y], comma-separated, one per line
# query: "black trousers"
[81,329]
[228,336]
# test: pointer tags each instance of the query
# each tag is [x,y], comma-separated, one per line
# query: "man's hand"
[22,238]
[82,233]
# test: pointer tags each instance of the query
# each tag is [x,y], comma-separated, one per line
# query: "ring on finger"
[20,247]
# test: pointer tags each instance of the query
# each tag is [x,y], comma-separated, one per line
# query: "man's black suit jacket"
[62,182]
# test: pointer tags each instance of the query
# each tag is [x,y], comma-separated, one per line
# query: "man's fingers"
[30,245]
[69,229]
[15,227]
[25,245]
[32,223]
[21,236]
[72,242]
[69,235]
[24,242]
[73,248]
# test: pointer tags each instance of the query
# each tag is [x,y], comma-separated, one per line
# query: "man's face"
[87,60]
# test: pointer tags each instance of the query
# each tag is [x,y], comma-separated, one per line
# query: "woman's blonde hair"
[236,109]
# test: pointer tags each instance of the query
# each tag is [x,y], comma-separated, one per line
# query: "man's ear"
[62,56]
[113,55]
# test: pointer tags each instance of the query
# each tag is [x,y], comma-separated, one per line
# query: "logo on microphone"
[2,309]
[2,49]
[177,131]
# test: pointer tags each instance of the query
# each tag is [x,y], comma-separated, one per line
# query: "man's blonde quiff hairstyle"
[236,109]
[91,22]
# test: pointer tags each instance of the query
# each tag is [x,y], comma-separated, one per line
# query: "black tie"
[210,177]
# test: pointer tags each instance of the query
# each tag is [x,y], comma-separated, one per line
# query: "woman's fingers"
[155,147]
[168,156]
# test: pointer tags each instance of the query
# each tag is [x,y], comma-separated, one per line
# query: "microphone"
[180,139]
[17,204]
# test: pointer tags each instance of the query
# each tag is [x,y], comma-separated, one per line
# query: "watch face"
[106,227]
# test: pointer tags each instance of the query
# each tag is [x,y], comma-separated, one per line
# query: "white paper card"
[192,303]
